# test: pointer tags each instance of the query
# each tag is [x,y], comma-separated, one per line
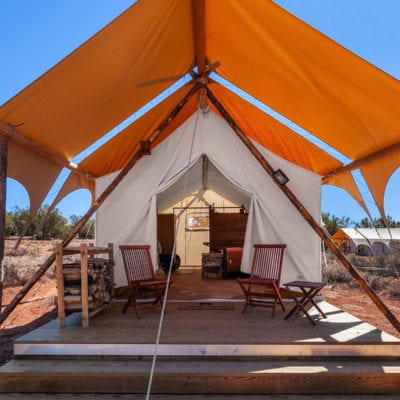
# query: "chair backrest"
[137,262]
[267,261]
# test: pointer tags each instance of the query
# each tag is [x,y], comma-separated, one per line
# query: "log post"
[100,200]
[3,186]
[84,285]
[307,216]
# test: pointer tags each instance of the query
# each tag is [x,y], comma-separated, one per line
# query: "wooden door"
[165,232]
[227,229]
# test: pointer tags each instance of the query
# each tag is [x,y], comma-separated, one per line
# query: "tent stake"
[308,217]
[110,188]
[3,186]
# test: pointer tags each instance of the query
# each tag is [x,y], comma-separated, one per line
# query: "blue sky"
[34,35]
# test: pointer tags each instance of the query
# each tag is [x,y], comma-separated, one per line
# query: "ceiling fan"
[191,71]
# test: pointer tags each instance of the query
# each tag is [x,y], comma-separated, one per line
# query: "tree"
[88,230]
[364,223]
[54,226]
[334,223]
[16,220]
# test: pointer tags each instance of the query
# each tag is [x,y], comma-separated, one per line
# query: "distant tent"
[368,241]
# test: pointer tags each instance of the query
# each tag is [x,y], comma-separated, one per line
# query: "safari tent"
[129,214]
[368,241]
[258,47]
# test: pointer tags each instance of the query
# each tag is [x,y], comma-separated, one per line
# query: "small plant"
[392,288]
[381,272]
[335,273]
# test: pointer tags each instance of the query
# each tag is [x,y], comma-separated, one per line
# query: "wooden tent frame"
[200,81]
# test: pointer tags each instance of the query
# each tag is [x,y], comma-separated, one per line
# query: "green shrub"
[381,272]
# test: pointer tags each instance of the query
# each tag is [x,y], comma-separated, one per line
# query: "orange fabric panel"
[73,182]
[274,135]
[96,87]
[35,173]
[377,175]
[116,153]
[303,75]
[346,182]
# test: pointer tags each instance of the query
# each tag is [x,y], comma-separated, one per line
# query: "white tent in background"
[368,241]
[174,171]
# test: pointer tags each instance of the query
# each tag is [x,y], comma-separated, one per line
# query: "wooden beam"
[363,161]
[205,172]
[23,141]
[307,216]
[3,186]
[100,200]
[199,34]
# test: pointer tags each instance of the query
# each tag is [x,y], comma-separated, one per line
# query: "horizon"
[36,37]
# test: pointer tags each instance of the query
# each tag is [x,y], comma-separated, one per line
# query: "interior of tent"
[188,227]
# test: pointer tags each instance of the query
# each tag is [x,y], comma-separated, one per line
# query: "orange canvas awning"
[259,47]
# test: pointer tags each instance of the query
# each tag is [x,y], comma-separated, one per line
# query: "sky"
[34,35]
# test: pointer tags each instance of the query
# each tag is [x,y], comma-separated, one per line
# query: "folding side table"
[309,290]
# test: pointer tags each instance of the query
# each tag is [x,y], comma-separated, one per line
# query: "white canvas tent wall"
[129,214]
[368,241]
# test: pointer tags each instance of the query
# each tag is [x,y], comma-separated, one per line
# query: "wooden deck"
[207,345]
[210,328]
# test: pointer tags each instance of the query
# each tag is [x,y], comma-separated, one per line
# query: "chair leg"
[136,309]
[245,305]
[279,297]
[131,302]
[125,306]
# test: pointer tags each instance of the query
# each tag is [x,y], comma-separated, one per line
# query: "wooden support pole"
[3,186]
[84,285]
[388,151]
[60,284]
[198,7]
[100,200]
[307,216]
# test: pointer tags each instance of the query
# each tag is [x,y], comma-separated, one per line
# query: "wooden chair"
[143,285]
[262,287]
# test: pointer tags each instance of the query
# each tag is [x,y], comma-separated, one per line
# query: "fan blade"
[159,80]
[173,78]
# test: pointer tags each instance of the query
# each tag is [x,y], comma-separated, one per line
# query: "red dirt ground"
[39,307]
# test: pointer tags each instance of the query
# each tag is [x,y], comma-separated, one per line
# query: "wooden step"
[196,375]
[29,348]
[130,396]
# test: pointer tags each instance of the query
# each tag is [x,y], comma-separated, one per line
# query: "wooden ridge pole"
[144,150]
[307,216]
[199,29]
[3,186]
